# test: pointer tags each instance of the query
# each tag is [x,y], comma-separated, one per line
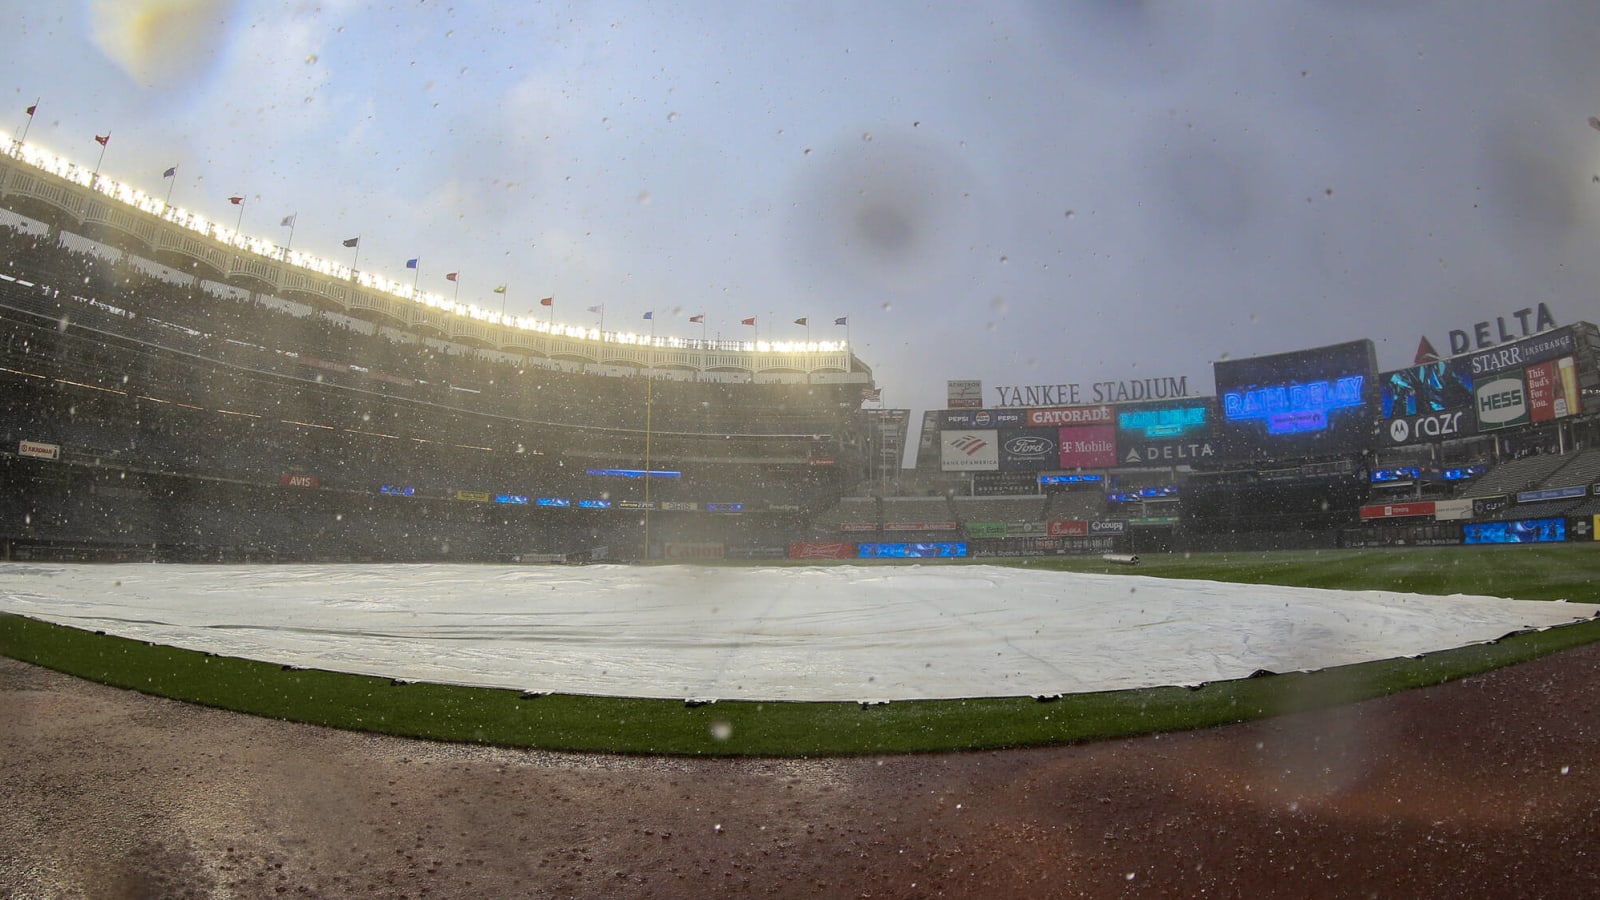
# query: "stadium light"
[60,167]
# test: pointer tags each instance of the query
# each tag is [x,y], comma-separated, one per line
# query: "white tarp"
[775,633]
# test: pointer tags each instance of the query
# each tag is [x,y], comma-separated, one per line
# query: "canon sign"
[1432,427]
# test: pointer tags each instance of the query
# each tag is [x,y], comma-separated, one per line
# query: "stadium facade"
[173,389]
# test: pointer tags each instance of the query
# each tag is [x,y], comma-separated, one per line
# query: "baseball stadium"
[239,478]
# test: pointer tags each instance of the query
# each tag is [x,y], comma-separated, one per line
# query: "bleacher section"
[998,509]
[1516,475]
[200,420]
[1076,505]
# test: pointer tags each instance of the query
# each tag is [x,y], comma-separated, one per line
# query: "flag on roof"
[700,318]
[102,139]
[236,201]
[352,242]
[32,108]
[547,301]
[803,320]
[171,171]
[1425,352]
[451,276]
[412,263]
[288,221]
[749,321]
[500,289]
[842,320]
[650,314]
[872,393]
[597,309]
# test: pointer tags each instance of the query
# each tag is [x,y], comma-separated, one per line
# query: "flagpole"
[290,243]
[355,256]
[240,223]
[95,178]
[457,298]
[811,361]
[28,124]
[167,203]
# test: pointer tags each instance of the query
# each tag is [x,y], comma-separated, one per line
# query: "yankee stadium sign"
[1073,394]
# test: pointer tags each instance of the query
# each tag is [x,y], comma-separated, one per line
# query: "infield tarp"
[781,633]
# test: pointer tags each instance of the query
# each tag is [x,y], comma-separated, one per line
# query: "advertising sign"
[1502,402]
[473,496]
[1488,506]
[1004,484]
[919,526]
[858,526]
[1397,510]
[821,550]
[982,418]
[1066,528]
[300,481]
[969,451]
[1562,493]
[39,450]
[986,529]
[679,506]
[696,550]
[1452,510]
[1523,353]
[964,394]
[1552,389]
[1088,446]
[1440,426]
[1029,449]
[1109,526]
[1072,415]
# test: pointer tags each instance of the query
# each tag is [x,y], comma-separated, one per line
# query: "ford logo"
[1028,446]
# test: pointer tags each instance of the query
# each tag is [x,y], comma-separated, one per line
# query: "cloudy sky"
[1020,192]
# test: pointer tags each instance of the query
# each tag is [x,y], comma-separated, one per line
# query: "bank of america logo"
[970,444]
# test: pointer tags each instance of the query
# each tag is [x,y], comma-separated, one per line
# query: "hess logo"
[1501,401]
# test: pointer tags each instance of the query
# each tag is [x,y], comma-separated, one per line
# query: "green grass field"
[580,723]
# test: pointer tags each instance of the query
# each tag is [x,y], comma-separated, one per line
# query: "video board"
[1317,402]
[1168,433]
[1429,402]
[1518,531]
